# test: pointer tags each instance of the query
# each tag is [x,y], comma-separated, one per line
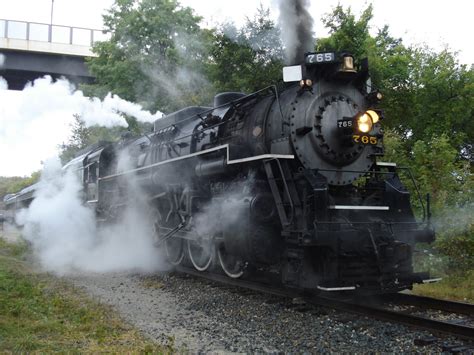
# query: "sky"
[435,23]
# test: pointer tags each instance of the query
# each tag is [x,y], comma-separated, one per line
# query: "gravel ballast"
[198,315]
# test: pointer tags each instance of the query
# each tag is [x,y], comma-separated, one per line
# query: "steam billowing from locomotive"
[63,233]
[296,29]
[59,226]
[42,115]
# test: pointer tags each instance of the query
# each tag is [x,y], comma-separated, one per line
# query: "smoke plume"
[63,232]
[178,83]
[296,29]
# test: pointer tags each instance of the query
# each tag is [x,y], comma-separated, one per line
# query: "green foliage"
[437,169]
[14,184]
[82,136]
[395,148]
[154,44]
[457,245]
[346,32]
[158,56]
[436,98]
[427,93]
[450,183]
[246,59]
[7,184]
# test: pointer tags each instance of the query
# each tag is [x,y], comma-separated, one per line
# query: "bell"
[348,65]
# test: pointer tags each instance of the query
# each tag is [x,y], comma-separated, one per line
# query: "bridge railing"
[34,31]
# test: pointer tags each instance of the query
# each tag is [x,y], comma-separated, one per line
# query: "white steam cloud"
[35,121]
[64,235]
[3,84]
[296,29]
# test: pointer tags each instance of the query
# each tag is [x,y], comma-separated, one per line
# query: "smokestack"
[296,29]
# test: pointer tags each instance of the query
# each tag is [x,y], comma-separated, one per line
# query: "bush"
[438,170]
[459,248]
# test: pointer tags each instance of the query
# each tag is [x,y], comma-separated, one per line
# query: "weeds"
[38,313]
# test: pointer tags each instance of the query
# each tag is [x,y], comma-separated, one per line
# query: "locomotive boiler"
[288,181]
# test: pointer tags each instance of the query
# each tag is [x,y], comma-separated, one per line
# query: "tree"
[426,93]
[451,184]
[154,56]
[346,32]
[83,136]
[14,184]
[248,58]
[437,169]
[158,56]
[444,102]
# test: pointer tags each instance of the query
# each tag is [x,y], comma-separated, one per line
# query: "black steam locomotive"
[285,180]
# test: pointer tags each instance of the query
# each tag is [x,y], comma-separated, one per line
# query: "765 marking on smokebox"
[357,138]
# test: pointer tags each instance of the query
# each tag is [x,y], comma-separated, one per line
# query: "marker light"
[306,83]
[364,123]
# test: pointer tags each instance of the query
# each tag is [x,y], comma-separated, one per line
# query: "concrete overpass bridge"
[30,50]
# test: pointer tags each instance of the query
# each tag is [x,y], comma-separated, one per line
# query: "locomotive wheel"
[201,253]
[232,265]
[174,249]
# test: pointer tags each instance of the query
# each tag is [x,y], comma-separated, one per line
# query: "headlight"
[364,123]
[374,115]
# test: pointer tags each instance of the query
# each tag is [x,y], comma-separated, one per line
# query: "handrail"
[51,33]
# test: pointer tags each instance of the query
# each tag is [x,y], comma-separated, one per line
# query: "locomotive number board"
[364,139]
[319,58]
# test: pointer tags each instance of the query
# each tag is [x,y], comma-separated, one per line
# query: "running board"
[331,289]
[383,163]
[365,208]
[430,281]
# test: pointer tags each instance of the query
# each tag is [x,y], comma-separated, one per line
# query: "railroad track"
[374,309]
[378,310]
[432,303]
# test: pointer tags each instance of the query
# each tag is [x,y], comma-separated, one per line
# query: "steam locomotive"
[286,180]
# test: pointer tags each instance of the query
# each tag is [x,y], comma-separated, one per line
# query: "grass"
[42,314]
[457,275]
[458,287]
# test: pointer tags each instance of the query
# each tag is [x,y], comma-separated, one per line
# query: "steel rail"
[351,306]
[432,325]
[431,303]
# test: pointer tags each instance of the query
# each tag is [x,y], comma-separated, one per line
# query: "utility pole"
[52,7]
[50,32]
